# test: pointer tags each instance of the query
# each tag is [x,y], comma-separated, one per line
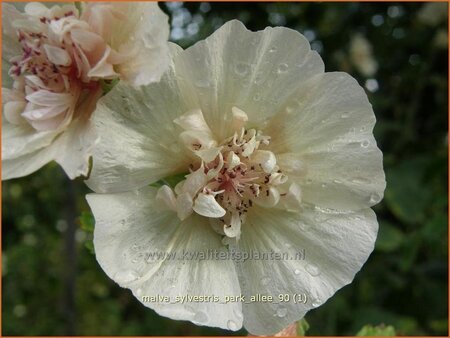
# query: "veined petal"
[327,250]
[206,205]
[139,120]
[129,234]
[331,132]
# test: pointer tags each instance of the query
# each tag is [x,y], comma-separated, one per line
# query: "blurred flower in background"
[54,59]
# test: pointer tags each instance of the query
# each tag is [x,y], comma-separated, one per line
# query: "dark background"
[52,284]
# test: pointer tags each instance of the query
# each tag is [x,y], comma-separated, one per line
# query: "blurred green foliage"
[403,284]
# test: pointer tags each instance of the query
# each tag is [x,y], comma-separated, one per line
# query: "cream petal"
[254,71]
[232,160]
[167,198]
[239,118]
[335,246]
[291,163]
[193,120]
[103,69]
[234,228]
[206,205]
[184,205]
[331,132]
[145,31]
[195,181]
[291,200]
[139,120]
[57,55]
[268,198]
[20,140]
[129,233]
[47,98]
[266,158]
[13,111]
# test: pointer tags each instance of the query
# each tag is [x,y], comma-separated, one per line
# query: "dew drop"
[374,198]
[297,271]
[317,302]
[200,317]
[241,69]
[337,181]
[273,50]
[265,281]
[365,144]
[232,325]
[202,83]
[126,276]
[282,68]
[281,312]
[312,270]
[323,185]
[345,115]
[361,180]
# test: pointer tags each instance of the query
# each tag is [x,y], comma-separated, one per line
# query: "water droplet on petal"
[282,68]
[323,185]
[202,83]
[273,50]
[345,115]
[200,317]
[126,276]
[337,181]
[281,312]
[241,69]
[232,325]
[265,281]
[317,302]
[312,270]
[365,144]
[297,271]
[375,198]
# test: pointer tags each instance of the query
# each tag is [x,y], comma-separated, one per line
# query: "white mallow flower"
[279,157]
[53,61]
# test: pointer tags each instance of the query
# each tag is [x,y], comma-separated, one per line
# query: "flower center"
[230,177]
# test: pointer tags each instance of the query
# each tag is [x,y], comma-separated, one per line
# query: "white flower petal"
[193,120]
[20,140]
[206,205]
[195,181]
[335,245]
[13,111]
[128,230]
[166,196]
[57,55]
[254,71]
[239,118]
[234,228]
[138,122]
[184,205]
[266,158]
[143,31]
[331,132]
[268,198]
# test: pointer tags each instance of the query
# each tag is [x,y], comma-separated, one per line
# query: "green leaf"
[389,237]
[171,181]
[87,221]
[302,327]
[90,246]
[380,331]
[406,193]
[107,85]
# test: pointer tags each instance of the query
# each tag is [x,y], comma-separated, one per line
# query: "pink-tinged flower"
[54,59]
